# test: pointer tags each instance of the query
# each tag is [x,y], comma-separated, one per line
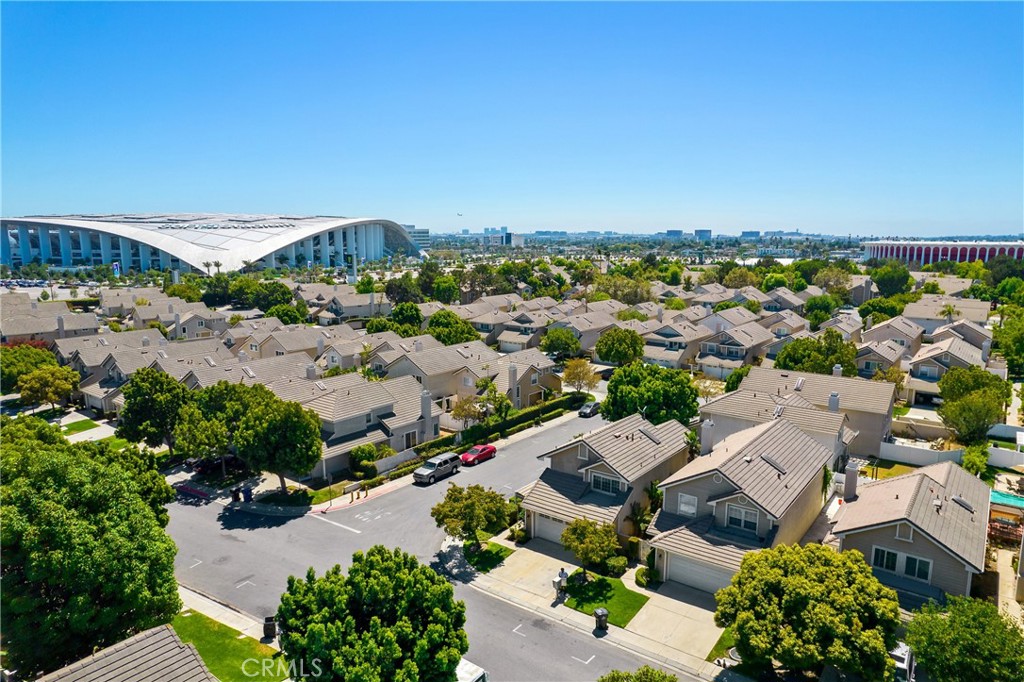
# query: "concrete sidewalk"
[224,614]
[1008,603]
[674,632]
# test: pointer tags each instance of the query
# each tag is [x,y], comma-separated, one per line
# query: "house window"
[928,371]
[604,484]
[916,568]
[410,439]
[735,352]
[254,347]
[201,323]
[369,419]
[870,365]
[742,519]
[781,331]
[437,429]
[184,330]
[534,379]
[278,353]
[904,532]
[687,504]
[334,359]
[710,348]
[582,454]
[467,381]
[901,342]
[884,559]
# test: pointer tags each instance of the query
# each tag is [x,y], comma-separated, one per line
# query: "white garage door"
[697,574]
[548,528]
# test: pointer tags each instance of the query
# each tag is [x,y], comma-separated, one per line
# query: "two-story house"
[348,306]
[971,332]
[600,475]
[524,330]
[436,369]
[898,330]
[298,339]
[934,311]
[674,345]
[66,348]
[727,319]
[200,323]
[923,533]
[526,377]
[874,356]
[935,359]
[587,327]
[847,324]
[760,487]
[752,295]
[783,298]
[490,325]
[783,323]
[730,349]
[349,353]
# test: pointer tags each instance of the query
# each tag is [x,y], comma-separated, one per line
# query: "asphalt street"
[244,560]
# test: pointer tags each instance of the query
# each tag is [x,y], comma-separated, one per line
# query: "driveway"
[679,617]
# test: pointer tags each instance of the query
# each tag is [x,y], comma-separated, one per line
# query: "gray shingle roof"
[956,325]
[434,361]
[910,329]
[694,538]
[887,350]
[763,407]
[568,497]
[626,447]
[956,347]
[155,655]
[860,395]
[910,497]
[930,307]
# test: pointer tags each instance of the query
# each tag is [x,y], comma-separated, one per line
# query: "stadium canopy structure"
[190,241]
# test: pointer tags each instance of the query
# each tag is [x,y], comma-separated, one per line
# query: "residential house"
[523,330]
[503,302]
[347,353]
[428,309]
[739,410]
[437,369]
[164,312]
[730,349]
[601,475]
[26,324]
[587,327]
[727,319]
[868,404]
[931,313]
[873,356]
[782,298]
[317,295]
[848,324]
[898,330]
[198,324]
[650,309]
[862,289]
[298,339]
[752,295]
[609,307]
[247,328]
[972,333]
[526,377]
[345,306]
[758,488]
[810,292]
[773,347]
[783,323]
[923,532]
[674,344]
[539,303]
[935,359]
[490,324]
[118,302]
[251,371]
[948,285]
[64,349]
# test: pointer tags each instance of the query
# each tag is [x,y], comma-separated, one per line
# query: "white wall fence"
[909,454]
[1002,457]
[386,464]
[450,423]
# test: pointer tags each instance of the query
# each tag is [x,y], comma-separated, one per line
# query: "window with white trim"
[534,379]
[919,569]
[741,518]
[904,531]
[253,346]
[604,484]
[201,323]
[687,504]
[711,348]
[582,453]
[884,559]
[467,381]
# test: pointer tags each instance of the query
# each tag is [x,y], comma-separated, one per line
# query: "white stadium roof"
[195,238]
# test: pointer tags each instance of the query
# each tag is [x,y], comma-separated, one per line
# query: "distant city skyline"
[870,119]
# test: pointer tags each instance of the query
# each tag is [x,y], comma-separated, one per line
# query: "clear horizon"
[899,120]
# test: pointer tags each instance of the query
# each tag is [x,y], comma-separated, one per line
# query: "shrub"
[374,482]
[616,566]
[642,576]
[633,548]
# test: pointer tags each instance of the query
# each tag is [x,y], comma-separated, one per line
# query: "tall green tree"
[152,401]
[450,329]
[366,284]
[657,392]
[973,415]
[185,291]
[243,291]
[407,313]
[1009,338]
[579,374]
[287,313]
[819,355]
[446,289]
[593,543]
[464,511]
[85,562]
[403,289]
[619,346]
[199,437]
[733,381]
[390,619]
[270,294]
[561,342]
[430,270]
[48,384]
[811,606]
[961,381]
[280,437]
[967,640]
[892,278]
[21,359]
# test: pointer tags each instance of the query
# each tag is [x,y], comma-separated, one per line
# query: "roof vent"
[209,361]
[321,385]
[162,353]
[249,373]
[937,503]
[963,503]
[104,342]
[778,411]
[617,434]
[799,384]
[773,464]
[784,374]
[748,459]
[655,439]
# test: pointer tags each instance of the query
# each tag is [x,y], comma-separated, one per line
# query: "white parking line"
[198,561]
[245,582]
[586,662]
[516,630]
[333,523]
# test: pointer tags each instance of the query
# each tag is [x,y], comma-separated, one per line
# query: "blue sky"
[867,118]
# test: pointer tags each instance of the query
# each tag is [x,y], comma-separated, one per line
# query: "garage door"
[548,528]
[697,574]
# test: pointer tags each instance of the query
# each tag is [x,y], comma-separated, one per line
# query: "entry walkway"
[675,627]
[1008,603]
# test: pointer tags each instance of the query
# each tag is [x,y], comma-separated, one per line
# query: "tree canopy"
[962,381]
[735,378]
[48,384]
[973,415]
[86,562]
[967,640]
[819,355]
[280,437]
[561,342]
[619,346]
[579,374]
[21,359]
[593,543]
[810,606]
[644,673]
[403,289]
[450,329]
[407,314]
[288,314]
[464,511]
[1009,337]
[152,401]
[659,392]
[892,278]
[446,289]
[390,619]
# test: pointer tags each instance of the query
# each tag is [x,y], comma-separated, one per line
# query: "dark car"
[590,409]
[606,373]
[477,454]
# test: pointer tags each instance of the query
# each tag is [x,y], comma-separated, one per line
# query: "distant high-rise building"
[702,235]
[674,234]
[750,234]
[420,236]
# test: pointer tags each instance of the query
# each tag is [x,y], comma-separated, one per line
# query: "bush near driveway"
[610,593]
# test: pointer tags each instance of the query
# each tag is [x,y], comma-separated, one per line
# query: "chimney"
[833,401]
[243,356]
[868,322]
[513,380]
[170,307]
[319,346]
[357,360]
[986,346]
[418,346]
[707,436]
[177,326]
[585,308]
[60,326]
[661,313]
[311,372]
[176,276]
[837,370]
[145,341]
[425,415]
[850,484]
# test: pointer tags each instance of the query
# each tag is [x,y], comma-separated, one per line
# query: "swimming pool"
[1007,499]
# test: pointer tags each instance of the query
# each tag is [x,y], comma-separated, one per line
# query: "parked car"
[606,373]
[437,467]
[209,466]
[590,409]
[477,454]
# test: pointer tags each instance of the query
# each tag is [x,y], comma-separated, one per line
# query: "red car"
[477,454]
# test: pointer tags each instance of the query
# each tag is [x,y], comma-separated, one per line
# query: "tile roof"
[910,497]
[566,496]
[860,395]
[763,407]
[953,345]
[154,655]
[785,296]
[435,361]
[737,316]
[888,350]
[633,446]
[930,308]
[260,371]
[695,538]
[749,335]
[957,325]
[908,328]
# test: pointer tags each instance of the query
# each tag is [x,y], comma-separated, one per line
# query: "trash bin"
[270,626]
[601,618]
[236,494]
[247,494]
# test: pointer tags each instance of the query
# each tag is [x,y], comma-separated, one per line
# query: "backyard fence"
[918,456]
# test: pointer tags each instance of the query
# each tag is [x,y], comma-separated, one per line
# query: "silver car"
[437,467]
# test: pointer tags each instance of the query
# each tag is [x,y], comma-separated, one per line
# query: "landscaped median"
[230,656]
[603,592]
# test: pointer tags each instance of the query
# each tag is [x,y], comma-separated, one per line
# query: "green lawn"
[887,469]
[725,642]
[900,410]
[326,493]
[488,557]
[116,443]
[79,426]
[225,652]
[621,602]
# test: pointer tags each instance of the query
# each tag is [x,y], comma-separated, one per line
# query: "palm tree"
[248,265]
[207,264]
[949,311]
[217,265]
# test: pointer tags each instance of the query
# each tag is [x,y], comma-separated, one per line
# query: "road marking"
[333,523]
[245,582]
[198,561]
[516,630]
[586,662]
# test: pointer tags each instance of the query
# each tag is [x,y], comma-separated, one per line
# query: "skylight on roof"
[249,373]
[321,385]
[963,503]
[773,464]
[654,438]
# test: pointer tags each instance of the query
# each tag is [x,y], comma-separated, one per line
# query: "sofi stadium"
[198,241]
